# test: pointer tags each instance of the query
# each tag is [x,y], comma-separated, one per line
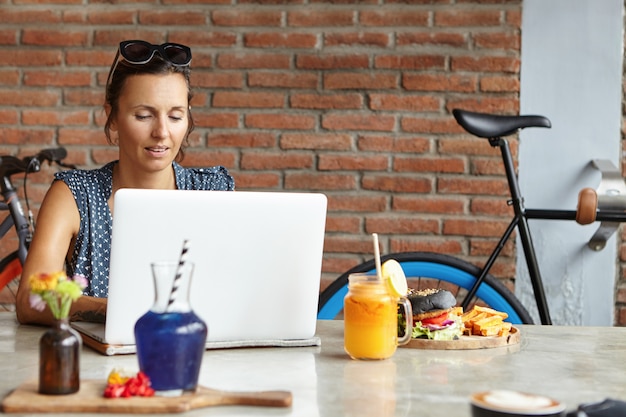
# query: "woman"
[149,118]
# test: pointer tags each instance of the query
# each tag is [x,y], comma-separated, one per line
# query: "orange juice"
[370,319]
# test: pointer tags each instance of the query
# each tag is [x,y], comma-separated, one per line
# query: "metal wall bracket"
[611,196]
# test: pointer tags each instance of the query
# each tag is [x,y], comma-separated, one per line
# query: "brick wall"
[350,98]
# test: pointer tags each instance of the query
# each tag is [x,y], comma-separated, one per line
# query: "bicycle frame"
[520,221]
[15,218]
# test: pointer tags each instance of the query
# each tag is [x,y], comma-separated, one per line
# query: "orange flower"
[41,282]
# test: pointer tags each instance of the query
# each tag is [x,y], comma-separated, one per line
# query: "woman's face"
[152,120]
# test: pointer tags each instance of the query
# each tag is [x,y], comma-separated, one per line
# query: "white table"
[571,364]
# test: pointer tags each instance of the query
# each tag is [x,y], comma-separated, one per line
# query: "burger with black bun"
[435,315]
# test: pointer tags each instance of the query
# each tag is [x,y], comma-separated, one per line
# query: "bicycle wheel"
[10,272]
[432,270]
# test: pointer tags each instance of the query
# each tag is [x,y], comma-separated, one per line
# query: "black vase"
[59,359]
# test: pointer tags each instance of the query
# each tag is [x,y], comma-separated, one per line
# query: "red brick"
[246,18]
[482,228]
[30,97]
[171,17]
[486,64]
[507,41]
[394,18]
[280,121]
[282,80]
[498,84]
[432,38]
[49,37]
[241,140]
[410,62]
[223,120]
[352,81]
[212,79]
[209,158]
[346,224]
[8,117]
[327,101]
[447,246]
[57,78]
[335,61]
[319,182]
[404,102]
[9,77]
[275,161]
[491,207]
[8,37]
[256,181]
[491,166]
[348,244]
[246,99]
[393,144]
[25,15]
[321,18]
[440,82]
[30,136]
[395,184]
[280,40]
[429,164]
[358,122]
[471,186]
[428,204]
[54,118]
[203,39]
[486,247]
[465,17]
[357,203]
[374,39]
[400,225]
[327,141]
[252,61]
[352,163]
[81,136]
[429,125]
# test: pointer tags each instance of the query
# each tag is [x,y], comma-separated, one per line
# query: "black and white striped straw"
[179,273]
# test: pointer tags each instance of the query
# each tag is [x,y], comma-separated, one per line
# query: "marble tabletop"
[572,364]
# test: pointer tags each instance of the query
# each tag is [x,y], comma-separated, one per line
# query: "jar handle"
[408,314]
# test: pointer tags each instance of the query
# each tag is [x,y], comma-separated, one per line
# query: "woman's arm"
[57,225]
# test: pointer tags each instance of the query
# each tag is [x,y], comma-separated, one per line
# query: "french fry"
[485,321]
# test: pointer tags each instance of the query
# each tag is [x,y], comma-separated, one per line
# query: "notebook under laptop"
[257,258]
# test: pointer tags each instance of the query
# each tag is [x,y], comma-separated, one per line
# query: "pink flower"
[81,280]
[37,302]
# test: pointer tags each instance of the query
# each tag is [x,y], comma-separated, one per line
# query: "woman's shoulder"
[210,178]
[85,174]
[87,178]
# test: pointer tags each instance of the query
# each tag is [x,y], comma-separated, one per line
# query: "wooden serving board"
[89,399]
[467,342]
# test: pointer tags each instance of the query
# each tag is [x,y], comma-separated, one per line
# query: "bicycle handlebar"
[10,165]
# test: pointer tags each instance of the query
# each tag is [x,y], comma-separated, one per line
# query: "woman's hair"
[156,66]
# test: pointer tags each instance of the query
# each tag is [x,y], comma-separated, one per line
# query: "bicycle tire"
[453,274]
[10,272]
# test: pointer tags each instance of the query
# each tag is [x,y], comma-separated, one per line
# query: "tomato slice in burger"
[437,320]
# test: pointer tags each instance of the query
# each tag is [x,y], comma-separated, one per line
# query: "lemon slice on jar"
[393,275]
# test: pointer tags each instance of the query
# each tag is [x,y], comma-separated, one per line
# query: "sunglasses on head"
[141,52]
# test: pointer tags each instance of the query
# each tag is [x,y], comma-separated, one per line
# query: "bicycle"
[471,284]
[23,224]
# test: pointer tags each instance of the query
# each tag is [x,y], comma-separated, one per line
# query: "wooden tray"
[89,399]
[467,342]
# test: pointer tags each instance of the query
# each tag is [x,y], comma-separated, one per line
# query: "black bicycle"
[471,284]
[17,218]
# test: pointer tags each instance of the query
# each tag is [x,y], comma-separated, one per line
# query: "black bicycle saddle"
[494,126]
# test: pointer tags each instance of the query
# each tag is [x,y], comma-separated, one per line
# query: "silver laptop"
[257,257]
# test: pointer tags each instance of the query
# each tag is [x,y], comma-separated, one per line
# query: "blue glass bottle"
[170,337]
